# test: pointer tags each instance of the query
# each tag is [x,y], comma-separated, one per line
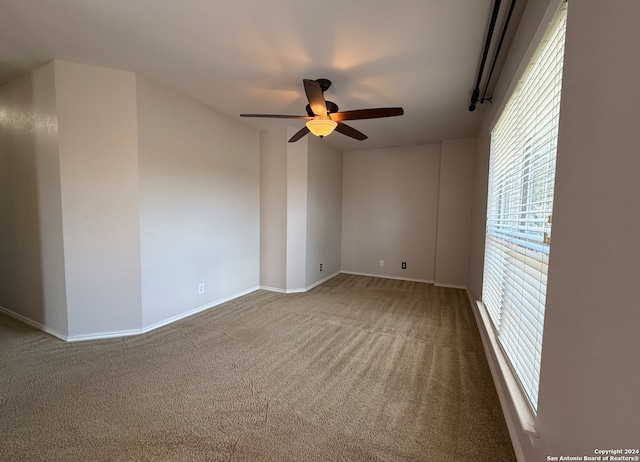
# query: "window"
[519,209]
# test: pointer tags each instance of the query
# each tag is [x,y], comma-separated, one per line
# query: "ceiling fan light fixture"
[324,116]
[321,126]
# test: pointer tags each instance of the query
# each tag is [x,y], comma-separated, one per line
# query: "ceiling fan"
[324,117]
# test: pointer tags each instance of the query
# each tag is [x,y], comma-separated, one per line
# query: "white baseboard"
[301,290]
[33,323]
[128,332]
[273,289]
[295,291]
[373,275]
[322,281]
[196,310]
[103,335]
[451,286]
[384,276]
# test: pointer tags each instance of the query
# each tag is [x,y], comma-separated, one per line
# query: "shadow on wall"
[21,260]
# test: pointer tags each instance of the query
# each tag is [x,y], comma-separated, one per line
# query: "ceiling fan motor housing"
[324,84]
[332,108]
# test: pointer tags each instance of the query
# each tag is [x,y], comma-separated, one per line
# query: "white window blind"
[519,209]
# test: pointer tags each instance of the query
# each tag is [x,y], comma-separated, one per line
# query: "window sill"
[502,373]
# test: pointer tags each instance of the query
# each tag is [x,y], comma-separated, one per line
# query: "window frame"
[524,406]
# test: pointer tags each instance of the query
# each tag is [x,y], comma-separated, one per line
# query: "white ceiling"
[250,56]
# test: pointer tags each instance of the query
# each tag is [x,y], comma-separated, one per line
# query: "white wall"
[324,211]
[98,143]
[300,210]
[297,165]
[591,349]
[390,210]
[32,280]
[119,199]
[454,211]
[590,373]
[199,205]
[273,209]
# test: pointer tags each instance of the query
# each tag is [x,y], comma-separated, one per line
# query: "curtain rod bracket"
[475,101]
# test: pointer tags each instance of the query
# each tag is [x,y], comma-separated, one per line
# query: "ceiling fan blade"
[316,98]
[303,131]
[367,113]
[277,116]
[350,131]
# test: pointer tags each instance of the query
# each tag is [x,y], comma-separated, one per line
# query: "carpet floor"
[356,369]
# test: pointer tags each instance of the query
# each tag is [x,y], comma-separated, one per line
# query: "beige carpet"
[357,369]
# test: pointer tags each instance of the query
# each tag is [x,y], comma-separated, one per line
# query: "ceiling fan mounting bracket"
[324,84]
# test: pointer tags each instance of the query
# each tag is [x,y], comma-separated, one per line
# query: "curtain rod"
[475,96]
[476,93]
[495,57]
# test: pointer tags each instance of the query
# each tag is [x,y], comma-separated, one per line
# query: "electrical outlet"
[320,266]
[404,265]
[381,263]
[201,288]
